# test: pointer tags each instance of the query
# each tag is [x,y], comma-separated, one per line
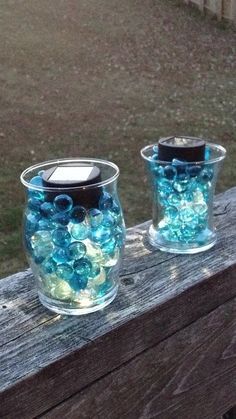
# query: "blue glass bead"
[105,202]
[40,173]
[180,186]
[171,212]
[206,175]
[78,283]
[83,267]
[170,172]
[183,177]
[36,181]
[95,217]
[187,197]
[31,220]
[76,250]
[108,220]
[47,209]
[45,224]
[175,225]
[78,214]
[60,255]
[194,171]
[187,213]
[204,236]
[63,203]
[101,234]
[80,231]
[187,233]
[61,218]
[181,165]
[64,271]
[48,266]
[34,204]
[61,237]
[38,195]
[104,289]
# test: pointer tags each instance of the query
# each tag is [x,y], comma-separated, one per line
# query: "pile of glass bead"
[182,192]
[74,251]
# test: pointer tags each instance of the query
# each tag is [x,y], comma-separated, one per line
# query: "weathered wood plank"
[189,375]
[158,296]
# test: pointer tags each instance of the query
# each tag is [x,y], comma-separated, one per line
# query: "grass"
[102,79]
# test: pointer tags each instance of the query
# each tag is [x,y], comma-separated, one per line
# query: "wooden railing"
[222,9]
[165,348]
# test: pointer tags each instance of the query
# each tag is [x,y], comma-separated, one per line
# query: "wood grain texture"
[160,294]
[190,375]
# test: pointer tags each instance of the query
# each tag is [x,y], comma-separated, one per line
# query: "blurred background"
[103,78]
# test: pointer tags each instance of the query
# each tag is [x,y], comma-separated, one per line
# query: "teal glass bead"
[61,237]
[170,172]
[83,267]
[78,283]
[200,208]
[38,195]
[157,170]
[187,214]
[61,218]
[95,270]
[180,185]
[187,197]
[207,153]
[40,173]
[101,234]
[174,199]
[105,202]
[60,255]
[194,170]
[155,149]
[164,186]
[48,266]
[154,157]
[36,181]
[80,231]
[110,246]
[206,175]
[42,244]
[95,217]
[47,209]
[171,212]
[64,271]
[78,214]
[119,235]
[187,233]
[76,250]
[63,203]
[175,225]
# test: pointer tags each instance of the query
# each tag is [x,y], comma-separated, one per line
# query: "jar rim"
[43,165]
[218,147]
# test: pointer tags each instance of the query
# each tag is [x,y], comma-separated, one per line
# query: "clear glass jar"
[74,252]
[182,196]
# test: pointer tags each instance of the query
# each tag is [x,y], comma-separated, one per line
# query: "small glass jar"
[182,195]
[74,250]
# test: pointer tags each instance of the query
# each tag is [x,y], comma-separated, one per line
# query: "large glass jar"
[182,195]
[74,238]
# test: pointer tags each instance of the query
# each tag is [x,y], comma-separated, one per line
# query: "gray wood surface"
[188,376]
[46,358]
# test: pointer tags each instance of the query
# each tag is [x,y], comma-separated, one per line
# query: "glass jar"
[182,195]
[74,249]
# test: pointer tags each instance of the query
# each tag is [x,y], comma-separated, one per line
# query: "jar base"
[70,309]
[156,241]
